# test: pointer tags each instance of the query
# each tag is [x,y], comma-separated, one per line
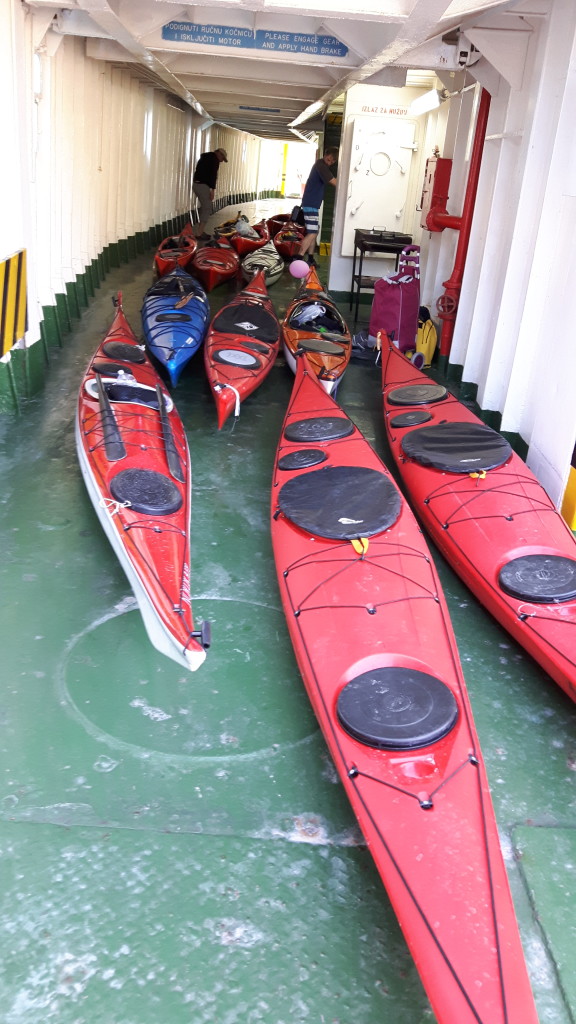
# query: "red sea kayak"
[241,346]
[275,224]
[175,251]
[287,240]
[375,646]
[134,458]
[488,514]
[215,263]
[244,244]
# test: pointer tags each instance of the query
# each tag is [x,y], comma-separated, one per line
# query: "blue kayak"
[175,316]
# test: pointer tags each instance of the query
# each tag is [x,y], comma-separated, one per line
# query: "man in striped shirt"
[313,197]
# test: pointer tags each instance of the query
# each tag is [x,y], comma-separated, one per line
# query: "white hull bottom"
[159,635]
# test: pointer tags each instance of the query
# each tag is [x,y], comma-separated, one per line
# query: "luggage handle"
[387,231]
[409,260]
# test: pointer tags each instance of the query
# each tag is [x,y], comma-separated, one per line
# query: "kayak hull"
[173,328]
[368,617]
[326,339]
[497,528]
[241,346]
[175,251]
[266,258]
[139,485]
[214,264]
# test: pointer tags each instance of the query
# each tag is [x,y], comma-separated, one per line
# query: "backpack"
[297,217]
[427,337]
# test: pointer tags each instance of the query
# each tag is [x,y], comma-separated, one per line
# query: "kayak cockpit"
[127,390]
[247,318]
[310,315]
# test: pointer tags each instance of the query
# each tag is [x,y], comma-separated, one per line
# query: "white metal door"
[380,161]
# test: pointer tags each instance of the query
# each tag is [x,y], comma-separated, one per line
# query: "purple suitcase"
[397,301]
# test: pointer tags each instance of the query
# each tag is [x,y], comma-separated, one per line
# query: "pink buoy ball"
[299,268]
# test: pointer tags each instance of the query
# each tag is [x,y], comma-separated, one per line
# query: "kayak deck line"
[425,799]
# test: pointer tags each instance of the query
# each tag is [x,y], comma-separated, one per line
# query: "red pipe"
[447,304]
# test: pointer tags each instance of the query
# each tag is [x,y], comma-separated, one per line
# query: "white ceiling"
[251,64]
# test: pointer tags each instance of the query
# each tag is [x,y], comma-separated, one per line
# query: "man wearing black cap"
[203,186]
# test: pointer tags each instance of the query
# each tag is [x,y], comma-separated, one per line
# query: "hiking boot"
[364,348]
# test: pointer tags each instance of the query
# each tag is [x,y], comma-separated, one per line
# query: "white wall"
[16,124]
[100,155]
[513,331]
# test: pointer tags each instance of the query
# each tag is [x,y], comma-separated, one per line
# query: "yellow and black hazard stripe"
[12,300]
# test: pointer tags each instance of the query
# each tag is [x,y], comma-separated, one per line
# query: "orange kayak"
[314,325]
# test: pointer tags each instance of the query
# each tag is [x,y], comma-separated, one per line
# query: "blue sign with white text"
[247,39]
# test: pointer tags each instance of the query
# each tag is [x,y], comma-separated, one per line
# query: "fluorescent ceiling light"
[304,138]
[307,113]
[428,101]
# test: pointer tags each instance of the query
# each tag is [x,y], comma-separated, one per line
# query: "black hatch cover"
[341,502]
[457,447]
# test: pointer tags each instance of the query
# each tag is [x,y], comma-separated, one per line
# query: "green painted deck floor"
[176,848]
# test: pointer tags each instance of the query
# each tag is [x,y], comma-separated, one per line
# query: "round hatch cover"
[235,357]
[147,491]
[302,458]
[341,502]
[122,350]
[319,428]
[457,447]
[543,579]
[108,369]
[411,419]
[417,394]
[397,708]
